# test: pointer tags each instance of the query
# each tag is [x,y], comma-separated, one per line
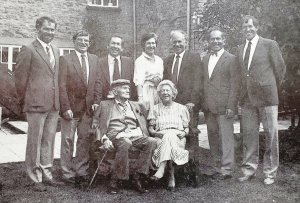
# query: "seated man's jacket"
[102,118]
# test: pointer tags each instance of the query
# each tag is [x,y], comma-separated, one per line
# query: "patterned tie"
[175,70]
[116,74]
[50,56]
[247,54]
[83,66]
[123,107]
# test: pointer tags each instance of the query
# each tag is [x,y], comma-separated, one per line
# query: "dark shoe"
[171,188]
[53,182]
[154,178]
[81,182]
[113,187]
[246,178]
[39,187]
[138,185]
[69,180]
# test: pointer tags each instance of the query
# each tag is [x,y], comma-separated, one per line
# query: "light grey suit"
[37,87]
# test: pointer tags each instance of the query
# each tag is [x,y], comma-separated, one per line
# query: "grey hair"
[171,84]
[173,32]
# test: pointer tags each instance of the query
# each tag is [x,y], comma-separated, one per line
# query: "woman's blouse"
[175,116]
[146,68]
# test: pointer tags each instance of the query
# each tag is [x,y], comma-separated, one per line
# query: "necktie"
[123,107]
[83,66]
[175,70]
[50,56]
[116,74]
[247,54]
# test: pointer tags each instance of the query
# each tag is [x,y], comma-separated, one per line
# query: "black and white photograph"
[170,101]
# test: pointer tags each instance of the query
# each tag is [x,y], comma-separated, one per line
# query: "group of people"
[150,104]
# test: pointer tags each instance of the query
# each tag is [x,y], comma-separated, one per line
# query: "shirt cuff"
[104,138]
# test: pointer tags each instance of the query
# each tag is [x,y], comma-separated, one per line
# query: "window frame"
[92,3]
[10,57]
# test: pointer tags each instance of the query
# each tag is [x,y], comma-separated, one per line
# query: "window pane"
[16,51]
[66,51]
[4,55]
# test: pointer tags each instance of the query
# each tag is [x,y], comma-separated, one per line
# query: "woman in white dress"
[148,71]
[169,121]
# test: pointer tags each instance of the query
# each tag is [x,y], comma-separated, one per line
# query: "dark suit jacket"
[127,69]
[221,89]
[103,115]
[266,73]
[36,82]
[190,76]
[74,93]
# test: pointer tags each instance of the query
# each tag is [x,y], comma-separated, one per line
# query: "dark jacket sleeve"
[62,83]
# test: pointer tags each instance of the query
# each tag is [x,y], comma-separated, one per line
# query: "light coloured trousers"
[40,144]
[251,118]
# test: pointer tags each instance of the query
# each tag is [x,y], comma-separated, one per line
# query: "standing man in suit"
[221,85]
[80,94]
[36,79]
[184,70]
[114,66]
[263,69]
[122,124]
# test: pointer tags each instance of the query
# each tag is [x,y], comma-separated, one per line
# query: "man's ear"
[114,91]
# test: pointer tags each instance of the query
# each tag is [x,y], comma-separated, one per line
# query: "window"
[103,3]
[64,51]
[8,56]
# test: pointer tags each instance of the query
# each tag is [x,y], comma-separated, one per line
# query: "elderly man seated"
[122,124]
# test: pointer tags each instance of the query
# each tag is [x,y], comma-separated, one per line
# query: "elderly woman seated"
[169,122]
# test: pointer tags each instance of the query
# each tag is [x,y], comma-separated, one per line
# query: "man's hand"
[229,113]
[68,115]
[190,106]
[156,80]
[94,107]
[95,124]
[108,144]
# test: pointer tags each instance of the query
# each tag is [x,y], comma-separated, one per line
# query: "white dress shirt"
[213,60]
[179,62]
[111,63]
[253,46]
[86,63]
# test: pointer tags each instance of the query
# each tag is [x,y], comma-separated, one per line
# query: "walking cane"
[97,168]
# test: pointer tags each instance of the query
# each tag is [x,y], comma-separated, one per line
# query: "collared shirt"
[111,63]
[179,62]
[213,60]
[129,111]
[44,45]
[86,63]
[253,46]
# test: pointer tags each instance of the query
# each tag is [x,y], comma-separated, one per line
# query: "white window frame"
[101,4]
[10,61]
[61,50]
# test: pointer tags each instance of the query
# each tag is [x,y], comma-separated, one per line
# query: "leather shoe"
[69,180]
[269,181]
[39,187]
[81,182]
[53,182]
[138,186]
[246,178]
[171,188]
[113,187]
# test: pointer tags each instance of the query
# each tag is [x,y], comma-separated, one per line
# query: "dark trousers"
[146,146]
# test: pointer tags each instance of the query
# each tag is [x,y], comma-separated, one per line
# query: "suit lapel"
[205,64]
[108,111]
[106,69]
[242,47]
[40,50]
[56,57]
[77,66]
[218,66]
[255,54]
[183,64]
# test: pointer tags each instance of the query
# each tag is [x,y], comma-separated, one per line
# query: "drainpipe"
[134,31]
[188,21]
